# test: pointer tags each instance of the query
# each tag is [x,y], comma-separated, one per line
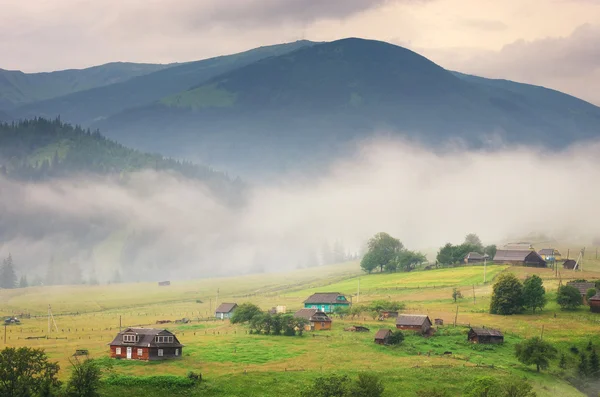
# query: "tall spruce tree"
[23,282]
[8,276]
[534,294]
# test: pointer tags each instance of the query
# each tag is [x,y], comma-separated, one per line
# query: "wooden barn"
[317,320]
[595,303]
[382,337]
[414,322]
[473,257]
[164,283]
[485,336]
[147,344]
[523,257]
[225,310]
[569,264]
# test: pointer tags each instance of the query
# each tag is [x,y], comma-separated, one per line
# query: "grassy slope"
[19,88]
[275,365]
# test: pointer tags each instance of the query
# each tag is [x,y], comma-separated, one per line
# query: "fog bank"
[158,226]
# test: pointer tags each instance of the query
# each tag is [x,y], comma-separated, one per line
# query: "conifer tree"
[23,282]
[8,277]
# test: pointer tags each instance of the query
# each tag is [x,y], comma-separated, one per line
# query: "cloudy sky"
[548,42]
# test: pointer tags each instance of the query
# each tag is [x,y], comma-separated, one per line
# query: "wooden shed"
[582,287]
[485,336]
[357,328]
[595,303]
[569,264]
[225,310]
[382,337]
[473,257]
[414,322]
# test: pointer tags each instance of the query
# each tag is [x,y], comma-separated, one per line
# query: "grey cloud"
[570,64]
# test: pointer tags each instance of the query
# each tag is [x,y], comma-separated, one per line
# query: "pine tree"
[563,361]
[23,282]
[8,277]
[594,364]
[583,368]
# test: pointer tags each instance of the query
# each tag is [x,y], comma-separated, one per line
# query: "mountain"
[40,150]
[91,105]
[304,106]
[18,88]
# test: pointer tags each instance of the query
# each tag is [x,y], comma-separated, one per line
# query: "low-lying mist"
[159,226]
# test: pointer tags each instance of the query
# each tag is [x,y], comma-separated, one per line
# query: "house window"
[164,339]
[140,352]
[176,352]
[322,325]
[160,352]
[118,351]
[130,338]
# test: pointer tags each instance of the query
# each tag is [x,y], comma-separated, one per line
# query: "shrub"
[396,338]
[157,381]
[367,385]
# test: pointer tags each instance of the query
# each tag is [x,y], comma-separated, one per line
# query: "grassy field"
[235,363]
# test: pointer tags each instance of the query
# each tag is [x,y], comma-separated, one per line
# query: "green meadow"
[236,363]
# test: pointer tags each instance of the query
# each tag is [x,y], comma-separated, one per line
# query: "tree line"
[387,253]
[8,275]
[452,254]
[267,323]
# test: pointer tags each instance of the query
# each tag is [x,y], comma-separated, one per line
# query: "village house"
[326,301]
[595,303]
[225,310]
[569,264]
[147,344]
[414,322]
[523,257]
[357,328]
[382,337]
[518,246]
[550,254]
[582,287]
[317,320]
[473,257]
[485,336]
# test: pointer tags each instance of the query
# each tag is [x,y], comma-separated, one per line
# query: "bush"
[85,379]
[396,338]
[157,381]
[367,385]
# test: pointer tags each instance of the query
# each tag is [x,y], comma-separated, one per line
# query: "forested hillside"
[40,149]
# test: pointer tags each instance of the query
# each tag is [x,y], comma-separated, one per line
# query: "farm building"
[326,301]
[485,335]
[550,254]
[518,246]
[473,257]
[519,257]
[225,310]
[414,322]
[569,264]
[357,328]
[439,321]
[382,336]
[164,283]
[317,320]
[583,287]
[389,314]
[145,344]
[595,303]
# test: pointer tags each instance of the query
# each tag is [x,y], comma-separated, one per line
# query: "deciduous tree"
[507,297]
[534,293]
[367,385]
[535,351]
[27,372]
[85,379]
[568,297]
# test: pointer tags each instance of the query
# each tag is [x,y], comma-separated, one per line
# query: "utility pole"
[484,267]
[456,315]
[5,334]
[473,293]
[217,300]
[358,291]
[119,323]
